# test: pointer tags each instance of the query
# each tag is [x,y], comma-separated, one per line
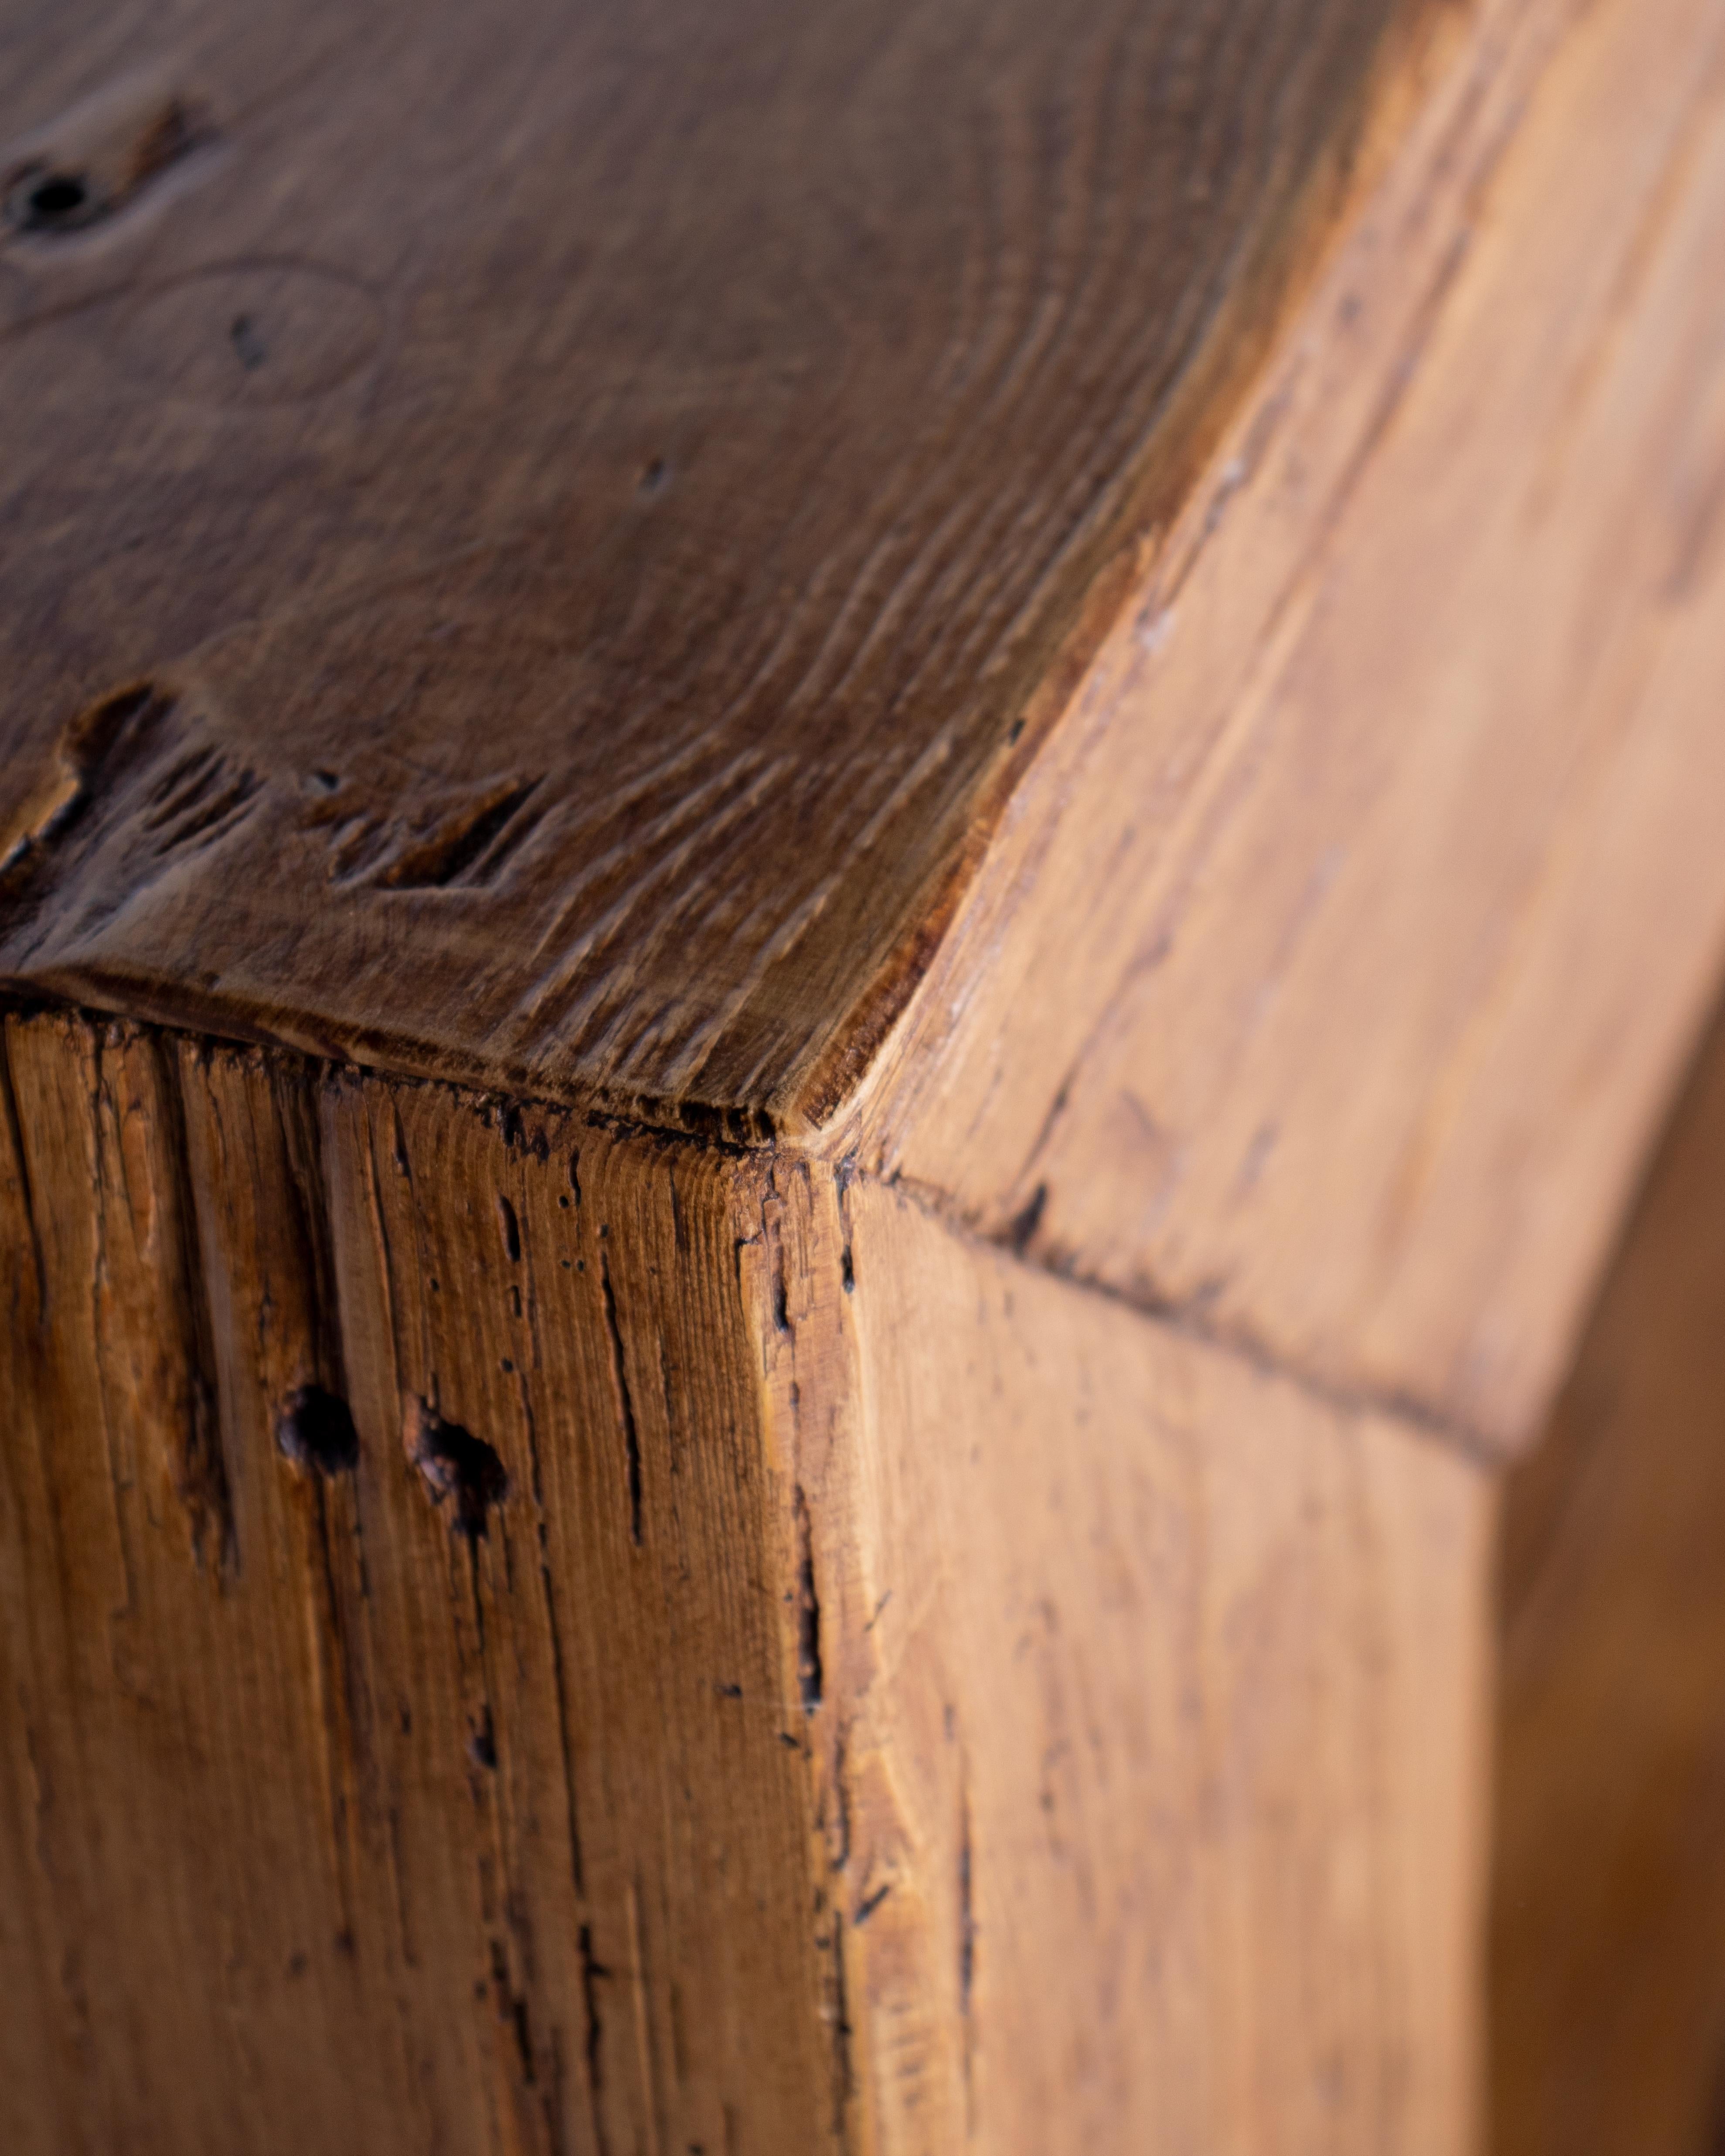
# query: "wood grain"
[602,499]
[1154,1714]
[729,570]
[1608,2009]
[426,1781]
[523,1638]
[1329,978]
[1233,996]
[1333,1036]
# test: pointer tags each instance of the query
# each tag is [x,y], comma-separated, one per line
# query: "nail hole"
[61,195]
[48,197]
[655,476]
[52,201]
[456,1464]
[316,1432]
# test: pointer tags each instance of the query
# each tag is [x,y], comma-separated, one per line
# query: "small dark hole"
[316,1431]
[58,196]
[482,1743]
[456,1464]
[52,201]
[655,476]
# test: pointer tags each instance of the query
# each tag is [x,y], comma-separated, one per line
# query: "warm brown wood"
[868,1693]
[1155,1696]
[1042,643]
[360,1802]
[1335,964]
[605,498]
[1608,1985]
[1241,956]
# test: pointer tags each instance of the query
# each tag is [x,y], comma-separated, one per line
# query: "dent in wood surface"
[554,460]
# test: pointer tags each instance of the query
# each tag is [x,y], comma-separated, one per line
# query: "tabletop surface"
[538,539]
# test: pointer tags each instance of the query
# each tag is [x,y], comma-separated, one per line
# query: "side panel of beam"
[1153,1696]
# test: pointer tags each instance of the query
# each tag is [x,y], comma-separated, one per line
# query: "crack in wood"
[625,1404]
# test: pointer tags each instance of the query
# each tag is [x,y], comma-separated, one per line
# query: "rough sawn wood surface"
[878,838]
[600,500]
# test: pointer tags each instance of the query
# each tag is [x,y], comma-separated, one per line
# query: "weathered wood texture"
[1154,1696]
[365,1799]
[729,565]
[1335,962]
[546,459]
[1607,2008]
[896,1700]
[1320,894]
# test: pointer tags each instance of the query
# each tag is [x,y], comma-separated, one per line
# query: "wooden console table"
[849,862]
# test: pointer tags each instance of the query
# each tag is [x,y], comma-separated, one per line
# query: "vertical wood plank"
[414,1781]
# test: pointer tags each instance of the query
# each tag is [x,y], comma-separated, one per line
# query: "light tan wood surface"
[1153,1715]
